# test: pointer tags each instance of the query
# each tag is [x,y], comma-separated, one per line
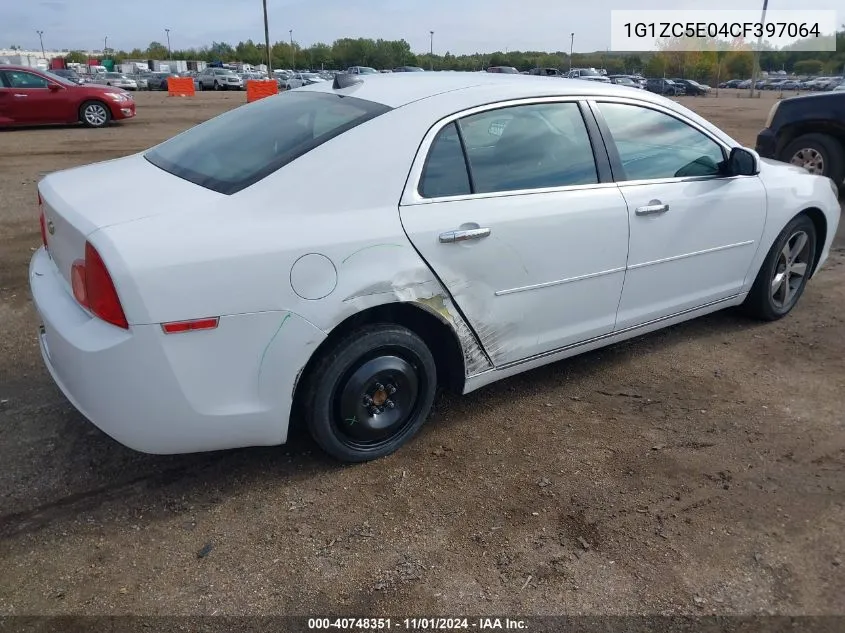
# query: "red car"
[33,97]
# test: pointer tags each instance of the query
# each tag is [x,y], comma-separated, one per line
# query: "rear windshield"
[237,149]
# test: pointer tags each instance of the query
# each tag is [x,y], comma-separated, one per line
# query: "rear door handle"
[463,235]
[654,207]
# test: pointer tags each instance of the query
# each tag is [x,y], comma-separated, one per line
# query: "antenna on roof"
[345,80]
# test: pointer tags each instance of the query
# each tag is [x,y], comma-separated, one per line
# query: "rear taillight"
[42,221]
[94,289]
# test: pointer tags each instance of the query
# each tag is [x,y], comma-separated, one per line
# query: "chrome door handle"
[463,235]
[654,207]
[20,95]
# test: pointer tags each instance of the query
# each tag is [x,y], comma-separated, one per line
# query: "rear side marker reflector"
[176,327]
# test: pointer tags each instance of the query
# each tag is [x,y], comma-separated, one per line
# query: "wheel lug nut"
[391,389]
[379,386]
[374,410]
[367,400]
[389,404]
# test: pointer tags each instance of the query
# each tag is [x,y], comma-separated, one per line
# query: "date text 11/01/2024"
[416,624]
[734,30]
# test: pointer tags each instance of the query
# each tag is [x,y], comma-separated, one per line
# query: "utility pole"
[292,52]
[169,52]
[105,44]
[267,42]
[41,39]
[431,51]
[756,70]
[571,48]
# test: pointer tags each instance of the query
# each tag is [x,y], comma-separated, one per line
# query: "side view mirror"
[743,162]
[53,87]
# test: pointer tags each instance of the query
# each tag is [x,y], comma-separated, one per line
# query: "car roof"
[28,68]
[397,89]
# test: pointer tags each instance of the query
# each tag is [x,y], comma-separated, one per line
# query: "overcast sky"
[460,26]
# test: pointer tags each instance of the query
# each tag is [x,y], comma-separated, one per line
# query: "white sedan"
[477,226]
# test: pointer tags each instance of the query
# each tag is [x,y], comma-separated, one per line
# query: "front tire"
[94,114]
[217,86]
[370,393]
[819,154]
[785,271]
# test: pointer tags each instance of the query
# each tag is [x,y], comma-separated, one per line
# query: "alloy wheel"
[791,269]
[810,159]
[95,114]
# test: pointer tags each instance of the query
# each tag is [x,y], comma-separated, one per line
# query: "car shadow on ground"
[91,470]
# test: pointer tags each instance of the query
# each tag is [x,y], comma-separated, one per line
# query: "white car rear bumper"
[178,393]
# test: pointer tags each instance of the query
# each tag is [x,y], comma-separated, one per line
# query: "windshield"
[59,79]
[365,70]
[589,72]
[237,149]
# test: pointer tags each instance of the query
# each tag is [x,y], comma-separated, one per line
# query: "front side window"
[237,149]
[654,145]
[22,79]
[528,147]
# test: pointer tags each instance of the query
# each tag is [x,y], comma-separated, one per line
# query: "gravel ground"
[696,470]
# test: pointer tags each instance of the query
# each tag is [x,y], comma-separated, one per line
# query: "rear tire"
[818,153]
[217,86]
[787,262]
[370,393]
[94,114]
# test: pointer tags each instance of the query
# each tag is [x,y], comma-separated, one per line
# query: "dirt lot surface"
[697,470]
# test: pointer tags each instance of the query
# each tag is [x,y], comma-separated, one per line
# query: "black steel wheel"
[370,393]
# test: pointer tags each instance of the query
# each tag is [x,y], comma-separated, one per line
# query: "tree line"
[709,66]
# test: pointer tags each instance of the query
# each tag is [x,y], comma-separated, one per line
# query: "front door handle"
[20,95]
[463,235]
[654,207]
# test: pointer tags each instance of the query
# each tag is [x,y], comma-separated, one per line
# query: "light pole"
[756,69]
[571,47]
[292,52]
[169,52]
[105,44]
[41,39]
[267,42]
[431,51]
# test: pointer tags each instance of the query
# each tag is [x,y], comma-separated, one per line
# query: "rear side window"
[241,147]
[445,171]
[529,147]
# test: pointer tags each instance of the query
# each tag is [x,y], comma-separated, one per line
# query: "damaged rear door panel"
[530,245]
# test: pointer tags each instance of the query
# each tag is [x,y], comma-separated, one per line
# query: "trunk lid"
[77,202]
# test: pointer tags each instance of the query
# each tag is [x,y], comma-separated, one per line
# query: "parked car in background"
[664,87]
[158,81]
[477,192]
[33,97]
[840,87]
[302,79]
[507,70]
[808,131]
[625,80]
[590,74]
[219,79]
[732,83]
[545,72]
[790,84]
[70,75]
[118,80]
[361,70]
[193,74]
[692,87]
[408,69]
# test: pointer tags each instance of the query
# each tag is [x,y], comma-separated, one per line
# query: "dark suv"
[664,87]
[808,131]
